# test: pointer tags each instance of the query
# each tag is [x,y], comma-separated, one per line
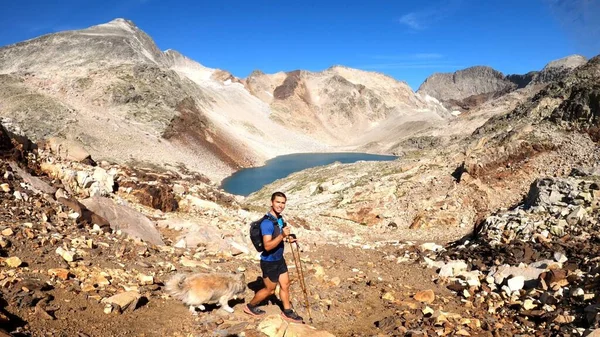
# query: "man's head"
[278,200]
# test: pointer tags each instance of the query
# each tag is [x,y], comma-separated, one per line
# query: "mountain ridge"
[88,83]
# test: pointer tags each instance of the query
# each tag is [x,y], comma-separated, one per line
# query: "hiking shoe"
[253,311]
[292,316]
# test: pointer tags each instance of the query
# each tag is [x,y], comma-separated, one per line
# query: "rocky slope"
[66,251]
[74,241]
[494,166]
[110,89]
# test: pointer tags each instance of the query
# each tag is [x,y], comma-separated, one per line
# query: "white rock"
[146,279]
[577,292]
[180,244]
[178,189]
[430,246]
[65,254]
[528,304]
[560,257]
[446,271]
[516,283]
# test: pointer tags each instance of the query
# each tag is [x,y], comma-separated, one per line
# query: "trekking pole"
[300,272]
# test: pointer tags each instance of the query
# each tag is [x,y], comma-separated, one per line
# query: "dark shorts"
[272,269]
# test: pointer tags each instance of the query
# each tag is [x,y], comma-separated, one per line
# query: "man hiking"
[274,232]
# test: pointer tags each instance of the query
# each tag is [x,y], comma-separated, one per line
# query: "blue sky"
[408,40]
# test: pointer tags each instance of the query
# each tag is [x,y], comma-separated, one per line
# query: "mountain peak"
[568,62]
[119,23]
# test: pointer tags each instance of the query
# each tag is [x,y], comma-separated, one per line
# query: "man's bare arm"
[270,242]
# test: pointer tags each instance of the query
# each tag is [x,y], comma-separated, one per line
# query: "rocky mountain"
[340,102]
[110,89]
[544,135]
[468,88]
[464,83]
[558,69]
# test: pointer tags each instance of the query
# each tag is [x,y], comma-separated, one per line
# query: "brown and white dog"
[204,288]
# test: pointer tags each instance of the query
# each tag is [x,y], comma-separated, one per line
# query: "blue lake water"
[253,179]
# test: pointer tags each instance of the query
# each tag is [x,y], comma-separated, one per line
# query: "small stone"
[446,271]
[335,281]
[17,195]
[61,273]
[560,257]
[577,214]
[516,283]
[319,271]
[124,300]
[577,292]
[594,333]
[427,311]
[180,244]
[528,304]
[425,296]
[241,269]
[146,279]
[557,231]
[430,246]
[65,254]
[564,319]
[463,332]
[43,313]
[187,262]
[388,296]
[5,187]
[7,232]
[13,262]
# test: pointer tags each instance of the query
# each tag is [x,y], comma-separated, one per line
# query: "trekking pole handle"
[290,237]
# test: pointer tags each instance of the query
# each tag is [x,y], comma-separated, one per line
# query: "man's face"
[278,204]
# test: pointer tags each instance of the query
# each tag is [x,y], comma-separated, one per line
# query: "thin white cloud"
[424,18]
[413,20]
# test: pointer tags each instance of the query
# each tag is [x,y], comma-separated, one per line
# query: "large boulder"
[126,219]
[68,149]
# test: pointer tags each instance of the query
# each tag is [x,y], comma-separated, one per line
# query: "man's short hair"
[278,194]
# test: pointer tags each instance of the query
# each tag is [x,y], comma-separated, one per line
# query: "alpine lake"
[247,181]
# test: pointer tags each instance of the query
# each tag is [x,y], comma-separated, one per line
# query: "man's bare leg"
[284,290]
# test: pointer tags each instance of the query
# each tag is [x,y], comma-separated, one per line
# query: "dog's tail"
[175,286]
